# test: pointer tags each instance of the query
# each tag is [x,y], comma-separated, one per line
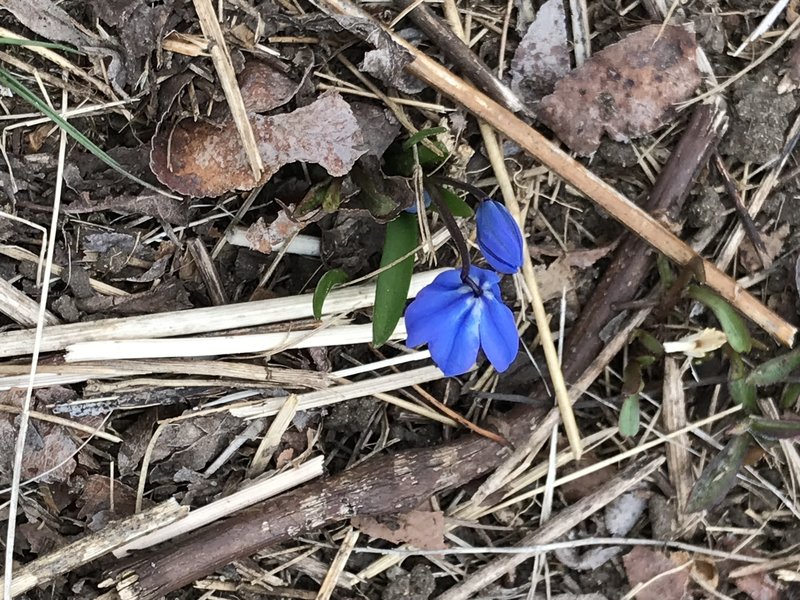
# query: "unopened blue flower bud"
[499,237]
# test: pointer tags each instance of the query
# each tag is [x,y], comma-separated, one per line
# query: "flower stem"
[476,192]
[455,232]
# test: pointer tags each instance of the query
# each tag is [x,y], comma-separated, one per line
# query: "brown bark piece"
[626,91]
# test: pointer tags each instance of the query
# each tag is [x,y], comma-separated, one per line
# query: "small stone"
[705,209]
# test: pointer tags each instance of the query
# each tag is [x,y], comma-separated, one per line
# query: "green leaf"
[665,273]
[719,477]
[384,197]
[326,283]
[732,324]
[456,205]
[392,286]
[421,135]
[789,395]
[629,416]
[647,340]
[400,160]
[741,390]
[15,86]
[773,429]
[775,370]
[5,41]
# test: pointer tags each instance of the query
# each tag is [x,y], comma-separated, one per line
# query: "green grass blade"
[719,477]
[421,135]
[326,283]
[393,283]
[775,370]
[6,41]
[15,86]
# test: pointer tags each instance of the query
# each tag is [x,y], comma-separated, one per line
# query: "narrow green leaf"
[15,86]
[456,205]
[428,159]
[741,390]
[665,273]
[773,429]
[743,393]
[326,283]
[732,324]
[421,135]
[392,287]
[5,41]
[332,196]
[647,340]
[719,477]
[775,370]
[629,416]
[790,394]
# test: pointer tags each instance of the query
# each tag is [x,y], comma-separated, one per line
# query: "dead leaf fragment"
[626,90]
[759,587]
[422,529]
[773,244]
[264,88]
[202,159]
[542,57]
[582,487]
[265,238]
[49,453]
[555,278]
[648,568]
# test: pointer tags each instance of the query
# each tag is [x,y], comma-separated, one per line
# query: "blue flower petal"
[499,237]
[499,337]
[485,279]
[448,280]
[431,308]
[455,322]
[455,346]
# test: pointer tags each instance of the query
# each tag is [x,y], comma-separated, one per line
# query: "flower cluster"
[462,311]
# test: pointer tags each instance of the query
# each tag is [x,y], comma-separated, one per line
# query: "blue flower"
[426,200]
[499,237]
[457,318]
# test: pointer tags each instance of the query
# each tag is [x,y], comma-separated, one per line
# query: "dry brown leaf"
[264,88]
[202,159]
[626,90]
[646,566]
[705,572]
[192,443]
[542,57]
[49,449]
[759,587]
[582,487]
[773,243]
[98,496]
[422,529]
[264,238]
[284,458]
[553,279]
